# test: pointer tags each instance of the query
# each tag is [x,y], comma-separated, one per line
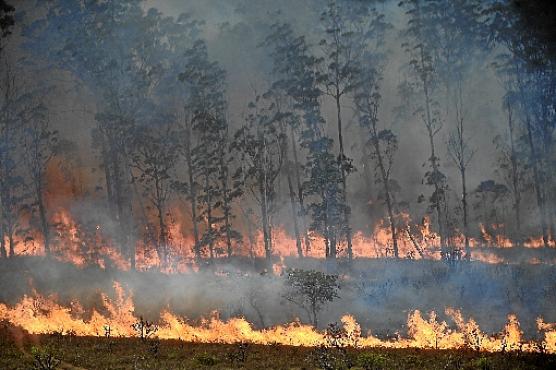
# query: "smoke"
[378,293]
[234,31]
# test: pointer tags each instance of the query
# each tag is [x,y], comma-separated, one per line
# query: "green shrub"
[482,363]
[44,358]
[206,359]
[371,361]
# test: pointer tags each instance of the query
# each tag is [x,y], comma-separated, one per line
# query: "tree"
[279,42]
[383,143]
[231,189]
[181,34]
[488,193]
[461,153]
[299,79]
[512,159]
[9,94]
[532,67]
[259,143]
[41,143]
[422,66]
[12,106]
[154,157]
[311,290]
[111,47]
[6,20]
[206,81]
[344,43]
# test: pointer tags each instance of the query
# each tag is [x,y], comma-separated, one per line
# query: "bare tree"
[461,154]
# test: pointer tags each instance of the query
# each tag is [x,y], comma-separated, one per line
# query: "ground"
[19,350]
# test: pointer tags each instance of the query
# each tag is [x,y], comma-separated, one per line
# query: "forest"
[357,138]
[234,156]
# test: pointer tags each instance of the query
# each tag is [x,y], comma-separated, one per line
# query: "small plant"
[206,359]
[154,347]
[44,359]
[107,331]
[482,363]
[371,361]
[144,328]
[323,358]
[311,290]
[240,354]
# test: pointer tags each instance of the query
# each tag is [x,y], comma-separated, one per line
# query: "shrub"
[206,359]
[44,359]
[371,361]
[482,363]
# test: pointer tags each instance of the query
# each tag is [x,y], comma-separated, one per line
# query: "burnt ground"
[19,350]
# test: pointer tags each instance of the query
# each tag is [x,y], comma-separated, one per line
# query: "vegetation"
[118,353]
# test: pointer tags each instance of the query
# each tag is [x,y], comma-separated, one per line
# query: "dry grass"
[19,350]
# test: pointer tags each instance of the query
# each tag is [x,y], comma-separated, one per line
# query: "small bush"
[206,359]
[482,363]
[239,354]
[44,359]
[371,361]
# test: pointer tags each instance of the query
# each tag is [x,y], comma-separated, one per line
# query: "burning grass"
[48,297]
[19,350]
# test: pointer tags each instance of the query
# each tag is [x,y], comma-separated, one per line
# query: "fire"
[84,245]
[43,315]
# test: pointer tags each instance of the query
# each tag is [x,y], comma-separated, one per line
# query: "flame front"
[43,315]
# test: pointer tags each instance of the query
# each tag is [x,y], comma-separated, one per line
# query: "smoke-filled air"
[276,184]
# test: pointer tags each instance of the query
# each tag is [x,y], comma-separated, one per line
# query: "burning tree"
[209,164]
[154,157]
[344,43]
[422,67]
[300,78]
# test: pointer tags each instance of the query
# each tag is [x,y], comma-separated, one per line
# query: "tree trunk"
[385,182]
[465,214]
[515,178]
[434,164]
[538,185]
[209,218]
[226,201]
[300,193]
[44,221]
[264,216]
[344,178]
[11,244]
[108,178]
[192,193]
[3,252]
[294,215]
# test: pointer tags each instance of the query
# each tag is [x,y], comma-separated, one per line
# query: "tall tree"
[154,157]
[461,154]
[383,143]
[345,27]
[422,66]
[300,77]
[533,70]
[41,143]
[259,141]
[206,81]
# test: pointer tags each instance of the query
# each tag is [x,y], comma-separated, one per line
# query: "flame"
[84,245]
[43,315]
